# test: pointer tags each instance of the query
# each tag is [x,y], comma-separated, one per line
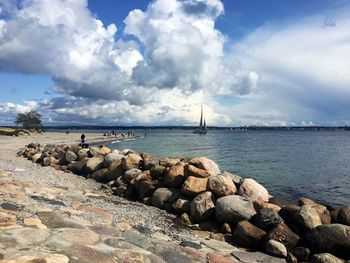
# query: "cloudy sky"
[138,62]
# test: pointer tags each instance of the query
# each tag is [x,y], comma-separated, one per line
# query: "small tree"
[29,120]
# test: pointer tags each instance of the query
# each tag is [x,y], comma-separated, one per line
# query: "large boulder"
[96,152]
[202,207]
[247,235]
[221,185]
[191,170]
[131,174]
[343,216]
[169,161]
[233,208]
[101,175]
[144,185]
[158,171]
[182,205]
[164,195]
[276,248]
[325,258]
[282,233]
[94,164]
[252,190]
[75,148]
[78,167]
[83,154]
[70,156]
[113,156]
[115,170]
[36,158]
[48,161]
[175,176]
[236,179]
[302,254]
[194,186]
[288,214]
[261,204]
[332,238]
[132,160]
[267,218]
[206,164]
[308,217]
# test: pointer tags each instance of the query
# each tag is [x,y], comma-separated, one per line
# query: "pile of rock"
[205,198]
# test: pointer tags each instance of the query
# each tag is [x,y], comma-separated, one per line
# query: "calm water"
[290,164]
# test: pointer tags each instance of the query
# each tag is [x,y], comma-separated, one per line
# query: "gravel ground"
[148,219]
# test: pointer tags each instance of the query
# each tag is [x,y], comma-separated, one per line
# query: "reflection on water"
[289,163]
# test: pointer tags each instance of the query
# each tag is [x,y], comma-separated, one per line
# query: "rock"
[174,257]
[175,176]
[113,156]
[168,162]
[50,258]
[164,195]
[261,204]
[256,257]
[325,258]
[158,171]
[288,214]
[75,148]
[101,175]
[96,152]
[132,160]
[226,228]
[33,145]
[302,254]
[194,186]
[253,191]
[343,216]
[49,161]
[219,246]
[131,174]
[217,258]
[78,167]
[186,219]
[115,170]
[105,150]
[333,238]
[281,202]
[221,185]
[236,179]
[191,170]
[83,154]
[308,217]
[182,205]
[206,164]
[136,239]
[233,208]
[94,164]
[6,219]
[202,207]
[283,234]
[247,235]
[276,248]
[267,218]
[70,156]
[34,222]
[36,158]
[144,184]
[126,151]
[192,244]
[291,258]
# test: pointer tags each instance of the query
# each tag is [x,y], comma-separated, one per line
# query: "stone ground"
[51,216]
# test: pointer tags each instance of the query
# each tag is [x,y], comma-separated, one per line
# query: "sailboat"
[202,129]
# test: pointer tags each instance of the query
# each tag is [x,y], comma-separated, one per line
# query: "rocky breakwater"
[238,211]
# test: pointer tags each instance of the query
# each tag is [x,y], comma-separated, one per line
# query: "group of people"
[113,133]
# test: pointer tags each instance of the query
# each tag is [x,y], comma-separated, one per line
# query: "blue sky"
[262,62]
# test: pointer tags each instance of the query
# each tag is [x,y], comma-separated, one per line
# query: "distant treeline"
[241,128]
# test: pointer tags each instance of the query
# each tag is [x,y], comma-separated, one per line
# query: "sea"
[290,164]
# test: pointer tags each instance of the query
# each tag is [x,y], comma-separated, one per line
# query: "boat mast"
[201,121]
[205,125]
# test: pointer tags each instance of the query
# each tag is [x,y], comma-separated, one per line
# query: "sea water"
[290,164]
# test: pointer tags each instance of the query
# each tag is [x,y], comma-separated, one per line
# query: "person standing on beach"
[82,138]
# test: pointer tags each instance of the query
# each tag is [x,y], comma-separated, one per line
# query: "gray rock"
[333,238]
[236,179]
[78,167]
[182,205]
[325,258]
[94,164]
[267,218]
[221,185]
[174,257]
[233,208]
[113,156]
[276,248]
[282,233]
[131,174]
[308,217]
[164,195]
[202,207]
[206,164]
[247,235]
[253,191]
[158,171]
[101,175]
[137,240]
[191,244]
[256,257]
[343,216]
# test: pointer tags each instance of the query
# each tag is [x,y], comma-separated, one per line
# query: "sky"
[138,62]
